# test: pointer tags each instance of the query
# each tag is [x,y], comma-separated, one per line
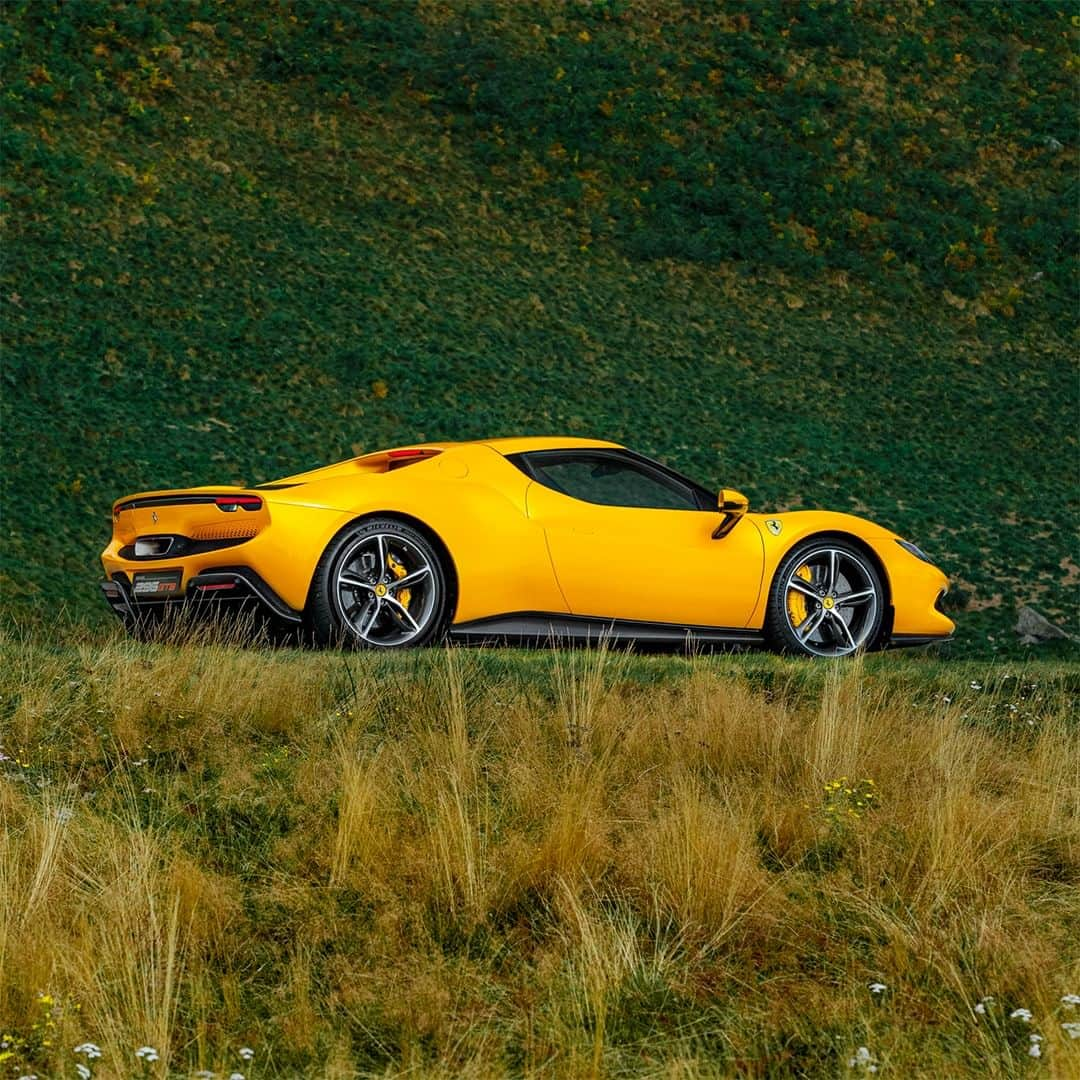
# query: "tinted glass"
[610,481]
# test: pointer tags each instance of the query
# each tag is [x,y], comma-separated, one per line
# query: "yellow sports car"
[528,538]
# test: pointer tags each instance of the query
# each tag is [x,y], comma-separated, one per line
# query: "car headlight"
[915,550]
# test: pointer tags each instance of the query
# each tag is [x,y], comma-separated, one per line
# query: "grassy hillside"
[482,864]
[821,252]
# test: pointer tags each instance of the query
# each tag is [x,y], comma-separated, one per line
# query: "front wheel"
[380,584]
[827,599]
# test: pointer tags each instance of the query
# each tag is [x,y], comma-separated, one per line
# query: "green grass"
[490,863]
[823,254]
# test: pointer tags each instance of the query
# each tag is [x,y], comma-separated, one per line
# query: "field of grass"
[481,863]
[823,253]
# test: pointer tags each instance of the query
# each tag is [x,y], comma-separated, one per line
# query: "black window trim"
[707,500]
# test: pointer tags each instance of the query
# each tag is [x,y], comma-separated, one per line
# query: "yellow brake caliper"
[796,601]
[399,572]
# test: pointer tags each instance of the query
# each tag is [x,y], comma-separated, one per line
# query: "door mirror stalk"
[732,505]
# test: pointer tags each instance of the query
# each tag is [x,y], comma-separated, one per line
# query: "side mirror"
[732,505]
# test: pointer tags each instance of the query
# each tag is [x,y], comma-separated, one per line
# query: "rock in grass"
[1034,628]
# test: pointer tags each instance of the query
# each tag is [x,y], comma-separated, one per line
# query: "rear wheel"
[827,599]
[380,584]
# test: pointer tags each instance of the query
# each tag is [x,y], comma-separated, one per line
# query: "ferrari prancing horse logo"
[773,526]
[153,516]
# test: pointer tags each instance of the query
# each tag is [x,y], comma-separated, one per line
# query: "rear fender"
[473,501]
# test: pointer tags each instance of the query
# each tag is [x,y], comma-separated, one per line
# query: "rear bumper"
[213,592]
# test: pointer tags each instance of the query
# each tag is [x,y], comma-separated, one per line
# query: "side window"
[610,480]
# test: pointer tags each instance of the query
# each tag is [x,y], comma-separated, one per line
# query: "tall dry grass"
[568,864]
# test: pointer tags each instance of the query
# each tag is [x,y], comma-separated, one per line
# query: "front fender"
[782,532]
[913,587]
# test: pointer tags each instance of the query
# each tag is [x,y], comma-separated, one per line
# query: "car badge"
[153,516]
[773,526]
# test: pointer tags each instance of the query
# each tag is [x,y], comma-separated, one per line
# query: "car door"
[630,540]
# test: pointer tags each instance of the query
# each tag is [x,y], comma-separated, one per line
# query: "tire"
[380,584]
[807,613]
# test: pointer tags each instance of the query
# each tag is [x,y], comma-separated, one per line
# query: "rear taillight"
[231,503]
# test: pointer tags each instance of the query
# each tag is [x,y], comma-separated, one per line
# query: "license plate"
[158,583]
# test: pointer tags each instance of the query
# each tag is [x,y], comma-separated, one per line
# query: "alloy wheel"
[831,602]
[385,589]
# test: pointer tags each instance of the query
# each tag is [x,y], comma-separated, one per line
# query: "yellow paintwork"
[913,585]
[518,546]
[624,562]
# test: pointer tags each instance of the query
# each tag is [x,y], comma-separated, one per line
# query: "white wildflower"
[976,685]
[877,988]
[83,1071]
[982,1004]
[1035,1049]
[1071,1028]
[91,1050]
[236,1076]
[1070,1000]
[147,1053]
[863,1060]
[247,1053]
[1021,1014]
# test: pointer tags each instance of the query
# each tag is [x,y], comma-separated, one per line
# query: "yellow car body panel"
[515,545]
[474,502]
[628,562]
[913,586]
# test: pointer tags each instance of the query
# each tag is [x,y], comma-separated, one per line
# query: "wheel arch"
[863,548]
[441,549]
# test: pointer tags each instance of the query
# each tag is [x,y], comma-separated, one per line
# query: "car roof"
[519,444]
[523,444]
